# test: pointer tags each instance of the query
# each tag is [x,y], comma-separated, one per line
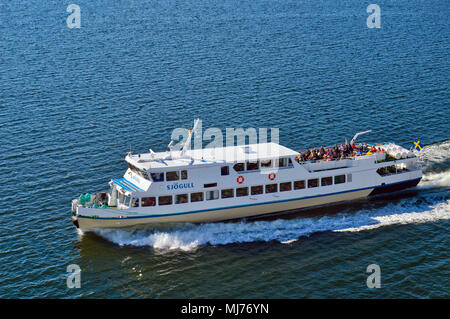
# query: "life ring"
[272,176]
[240,179]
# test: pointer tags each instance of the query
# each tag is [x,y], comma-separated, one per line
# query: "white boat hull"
[89,223]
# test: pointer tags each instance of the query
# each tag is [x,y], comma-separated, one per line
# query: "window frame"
[197,193]
[171,180]
[167,196]
[242,188]
[301,181]
[177,198]
[227,189]
[313,179]
[270,192]
[253,187]
[286,190]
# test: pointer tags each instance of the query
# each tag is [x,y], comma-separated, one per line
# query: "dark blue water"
[73,101]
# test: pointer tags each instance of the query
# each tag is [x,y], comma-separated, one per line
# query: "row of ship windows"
[224,170]
[242,191]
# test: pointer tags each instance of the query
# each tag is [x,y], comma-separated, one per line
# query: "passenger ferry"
[234,182]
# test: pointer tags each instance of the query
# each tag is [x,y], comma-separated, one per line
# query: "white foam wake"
[431,180]
[435,153]
[438,212]
[286,231]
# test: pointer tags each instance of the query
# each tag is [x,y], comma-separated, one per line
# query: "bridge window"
[271,188]
[196,197]
[148,201]
[181,199]
[157,177]
[266,164]
[299,184]
[339,179]
[313,182]
[251,166]
[172,176]
[349,178]
[282,162]
[184,174]
[239,167]
[227,193]
[165,200]
[326,181]
[242,191]
[256,190]
[224,170]
[285,186]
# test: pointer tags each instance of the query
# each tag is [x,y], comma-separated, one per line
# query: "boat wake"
[429,205]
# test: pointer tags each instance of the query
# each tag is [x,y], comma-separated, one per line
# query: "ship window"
[299,184]
[282,162]
[313,182]
[196,197]
[349,178]
[143,174]
[327,181]
[135,202]
[266,164]
[212,195]
[181,199]
[165,200]
[285,186]
[224,170]
[157,177]
[148,201]
[256,190]
[132,167]
[227,193]
[242,191]
[251,166]
[184,174]
[271,188]
[210,185]
[238,167]
[339,179]
[172,176]
[290,163]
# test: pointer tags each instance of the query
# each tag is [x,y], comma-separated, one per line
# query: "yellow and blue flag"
[418,145]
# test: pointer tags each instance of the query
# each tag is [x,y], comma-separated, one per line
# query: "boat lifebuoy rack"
[272,176]
[240,179]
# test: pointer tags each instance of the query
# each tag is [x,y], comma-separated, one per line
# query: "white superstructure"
[216,184]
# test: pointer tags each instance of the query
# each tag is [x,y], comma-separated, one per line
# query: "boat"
[235,182]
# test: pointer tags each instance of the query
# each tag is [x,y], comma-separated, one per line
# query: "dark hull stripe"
[390,188]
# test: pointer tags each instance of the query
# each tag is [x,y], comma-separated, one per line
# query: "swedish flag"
[418,145]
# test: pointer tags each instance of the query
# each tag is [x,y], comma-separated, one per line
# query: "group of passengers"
[337,152]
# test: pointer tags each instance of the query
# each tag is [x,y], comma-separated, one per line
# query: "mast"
[187,144]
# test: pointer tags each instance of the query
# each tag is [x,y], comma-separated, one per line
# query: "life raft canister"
[272,176]
[240,179]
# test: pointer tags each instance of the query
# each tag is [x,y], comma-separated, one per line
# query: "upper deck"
[208,156]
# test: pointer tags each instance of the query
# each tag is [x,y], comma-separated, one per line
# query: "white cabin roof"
[205,156]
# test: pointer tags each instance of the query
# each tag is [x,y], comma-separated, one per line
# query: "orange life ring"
[272,176]
[240,179]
